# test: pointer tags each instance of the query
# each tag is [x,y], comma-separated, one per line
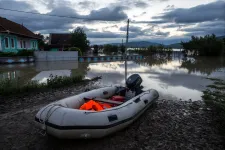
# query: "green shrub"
[7,54]
[19,53]
[76,49]
[214,97]
[25,53]
[9,87]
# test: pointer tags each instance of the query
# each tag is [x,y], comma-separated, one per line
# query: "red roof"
[7,26]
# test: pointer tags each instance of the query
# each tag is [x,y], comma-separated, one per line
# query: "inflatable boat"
[64,119]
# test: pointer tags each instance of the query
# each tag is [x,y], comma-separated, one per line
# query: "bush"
[214,97]
[19,53]
[25,53]
[208,45]
[7,54]
[9,87]
[76,49]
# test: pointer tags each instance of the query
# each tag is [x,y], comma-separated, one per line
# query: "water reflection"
[171,75]
[204,65]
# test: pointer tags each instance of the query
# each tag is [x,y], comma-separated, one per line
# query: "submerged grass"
[10,87]
[214,96]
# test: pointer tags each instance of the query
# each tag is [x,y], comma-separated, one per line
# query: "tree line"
[208,45]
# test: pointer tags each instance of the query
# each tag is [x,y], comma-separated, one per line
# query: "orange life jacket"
[92,105]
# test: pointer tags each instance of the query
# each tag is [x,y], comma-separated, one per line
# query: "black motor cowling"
[134,82]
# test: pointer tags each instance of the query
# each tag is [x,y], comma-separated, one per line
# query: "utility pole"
[128,21]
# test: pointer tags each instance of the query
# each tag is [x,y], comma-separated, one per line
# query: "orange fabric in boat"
[92,105]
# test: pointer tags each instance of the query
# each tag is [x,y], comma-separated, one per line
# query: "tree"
[108,49]
[79,39]
[122,48]
[208,45]
[41,41]
[95,49]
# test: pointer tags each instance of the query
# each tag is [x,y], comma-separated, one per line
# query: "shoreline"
[168,124]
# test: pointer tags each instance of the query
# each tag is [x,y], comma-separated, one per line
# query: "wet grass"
[216,87]
[11,87]
[214,96]
[215,79]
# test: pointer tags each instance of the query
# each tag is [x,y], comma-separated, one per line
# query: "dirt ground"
[167,124]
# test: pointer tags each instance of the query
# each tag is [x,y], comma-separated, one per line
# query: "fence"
[55,56]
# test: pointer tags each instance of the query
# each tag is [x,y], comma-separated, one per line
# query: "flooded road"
[175,77]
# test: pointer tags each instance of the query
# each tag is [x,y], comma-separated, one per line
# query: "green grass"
[215,79]
[11,87]
[216,87]
[214,97]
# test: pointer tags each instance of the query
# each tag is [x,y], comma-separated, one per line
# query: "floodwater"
[174,76]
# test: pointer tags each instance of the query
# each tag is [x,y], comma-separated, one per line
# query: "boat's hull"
[64,122]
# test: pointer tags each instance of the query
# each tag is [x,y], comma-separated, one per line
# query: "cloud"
[150,22]
[51,4]
[143,13]
[141,4]
[169,7]
[207,12]
[108,14]
[16,5]
[39,22]
[44,23]
[131,4]
[217,28]
[174,25]
[160,33]
[103,35]
[87,4]
[131,28]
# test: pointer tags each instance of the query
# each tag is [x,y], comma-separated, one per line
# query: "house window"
[7,42]
[12,43]
[22,44]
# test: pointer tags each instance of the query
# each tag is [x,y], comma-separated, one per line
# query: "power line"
[52,15]
[70,17]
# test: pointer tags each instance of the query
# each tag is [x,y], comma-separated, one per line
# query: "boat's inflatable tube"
[63,118]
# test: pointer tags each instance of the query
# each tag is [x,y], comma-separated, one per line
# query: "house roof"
[60,39]
[7,26]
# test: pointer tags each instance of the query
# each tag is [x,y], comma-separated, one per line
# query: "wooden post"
[126,50]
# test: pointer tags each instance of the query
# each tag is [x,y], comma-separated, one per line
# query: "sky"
[104,21]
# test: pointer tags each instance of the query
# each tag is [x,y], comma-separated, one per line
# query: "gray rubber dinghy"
[64,119]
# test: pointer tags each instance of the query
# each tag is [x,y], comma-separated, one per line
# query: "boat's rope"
[48,115]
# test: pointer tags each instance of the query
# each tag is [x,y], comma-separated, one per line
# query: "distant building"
[59,41]
[15,37]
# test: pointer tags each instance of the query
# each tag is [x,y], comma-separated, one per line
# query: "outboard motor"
[133,83]
[132,89]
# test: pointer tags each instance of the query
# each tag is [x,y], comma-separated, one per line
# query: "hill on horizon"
[139,44]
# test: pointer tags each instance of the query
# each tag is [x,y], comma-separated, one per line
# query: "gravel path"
[167,124]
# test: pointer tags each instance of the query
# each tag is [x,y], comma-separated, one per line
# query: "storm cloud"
[45,22]
[131,28]
[217,27]
[141,4]
[106,20]
[207,12]
[108,14]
